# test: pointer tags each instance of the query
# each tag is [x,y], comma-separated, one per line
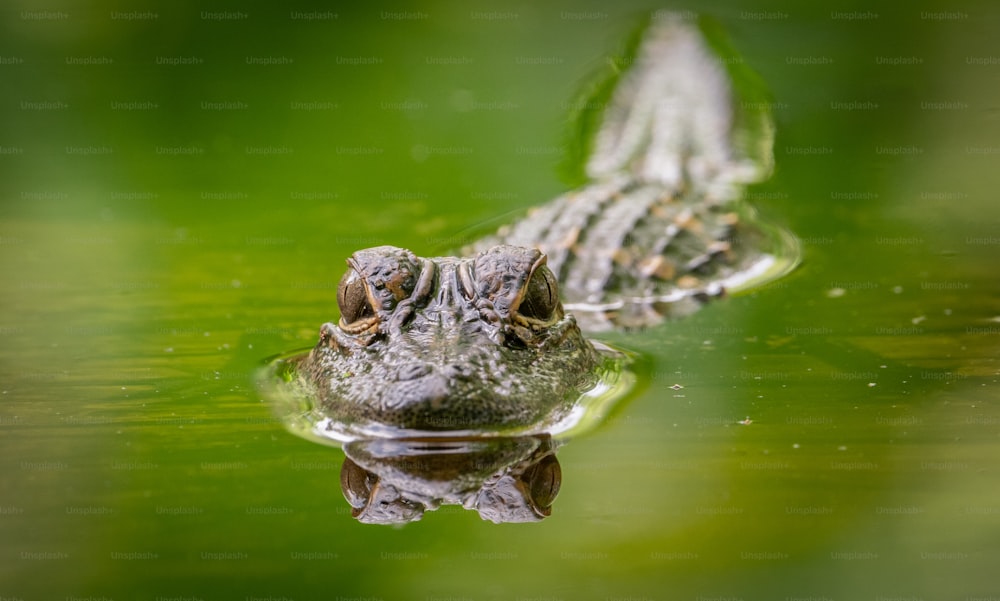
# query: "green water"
[165,227]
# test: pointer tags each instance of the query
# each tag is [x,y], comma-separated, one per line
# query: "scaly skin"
[448,344]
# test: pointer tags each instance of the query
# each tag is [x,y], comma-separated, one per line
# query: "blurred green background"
[180,186]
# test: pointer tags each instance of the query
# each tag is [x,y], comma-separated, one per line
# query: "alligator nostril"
[454,370]
[412,371]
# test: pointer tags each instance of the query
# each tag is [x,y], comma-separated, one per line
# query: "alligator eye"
[352,298]
[356,483]
[544,479]
[541,295]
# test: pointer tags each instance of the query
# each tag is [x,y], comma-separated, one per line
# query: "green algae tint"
[142,290]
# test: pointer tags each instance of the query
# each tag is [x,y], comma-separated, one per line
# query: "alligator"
[491,341]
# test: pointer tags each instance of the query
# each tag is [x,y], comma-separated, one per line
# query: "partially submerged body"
[448,344]
[482,344]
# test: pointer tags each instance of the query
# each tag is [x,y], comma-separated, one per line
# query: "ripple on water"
[294,401]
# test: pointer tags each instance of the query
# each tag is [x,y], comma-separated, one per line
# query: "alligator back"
[660,224]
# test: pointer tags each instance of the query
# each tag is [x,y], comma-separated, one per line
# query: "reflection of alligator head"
[504,479]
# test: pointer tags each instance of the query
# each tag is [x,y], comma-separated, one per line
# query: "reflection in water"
[389,481]
[394,475]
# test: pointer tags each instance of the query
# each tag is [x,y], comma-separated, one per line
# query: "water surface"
[832,435]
